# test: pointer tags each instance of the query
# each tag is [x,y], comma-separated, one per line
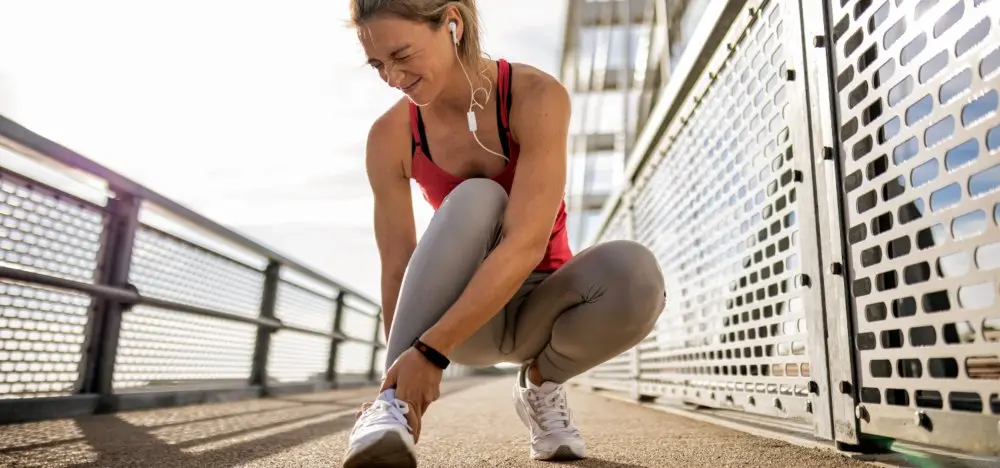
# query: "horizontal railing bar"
[106,292]
[308,291]
[25,181]
[131,297]
[362,312]
[126,296]
[57,152]
[310,331]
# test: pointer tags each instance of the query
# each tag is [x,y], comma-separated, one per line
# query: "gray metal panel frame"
[836,341]
[816,244]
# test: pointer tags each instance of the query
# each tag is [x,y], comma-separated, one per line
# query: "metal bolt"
[920,419]
[819,41]
[809,407]
[845,387]
[837,268]
[861,413]
[752,401]
[777,403]
[813,388]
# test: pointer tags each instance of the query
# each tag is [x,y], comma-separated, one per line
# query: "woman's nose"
[394,77]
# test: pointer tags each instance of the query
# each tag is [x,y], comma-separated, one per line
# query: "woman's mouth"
[411,86]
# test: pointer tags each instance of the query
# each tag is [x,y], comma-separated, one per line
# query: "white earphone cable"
[471,116]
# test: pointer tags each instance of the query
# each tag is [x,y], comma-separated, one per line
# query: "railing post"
[106,314]
[378,331]
[338,314]
[262,347]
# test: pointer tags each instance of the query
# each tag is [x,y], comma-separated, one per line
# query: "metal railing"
[100,310]
[820,185]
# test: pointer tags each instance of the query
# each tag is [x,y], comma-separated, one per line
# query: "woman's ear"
[453,21]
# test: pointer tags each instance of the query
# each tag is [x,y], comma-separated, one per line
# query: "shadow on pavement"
[214,435]
[600,463]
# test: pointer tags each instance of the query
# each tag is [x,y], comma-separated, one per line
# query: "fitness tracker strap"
[431,354]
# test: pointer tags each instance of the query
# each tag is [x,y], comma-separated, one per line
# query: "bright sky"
[252,113]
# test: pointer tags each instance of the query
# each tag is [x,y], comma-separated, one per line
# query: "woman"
[492,279]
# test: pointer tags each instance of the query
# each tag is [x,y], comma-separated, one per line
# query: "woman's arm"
[395,233]
[541,121]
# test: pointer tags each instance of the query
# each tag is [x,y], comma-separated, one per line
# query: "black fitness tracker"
[431,354]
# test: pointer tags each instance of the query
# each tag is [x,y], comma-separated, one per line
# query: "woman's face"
[408,55]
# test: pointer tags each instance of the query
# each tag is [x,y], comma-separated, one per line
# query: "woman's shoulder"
[389,135]
[536,88]
[528,81]
[393,121]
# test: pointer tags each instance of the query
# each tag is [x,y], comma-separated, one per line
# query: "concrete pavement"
[472,425]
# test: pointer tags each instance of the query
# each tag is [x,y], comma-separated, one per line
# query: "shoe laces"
[552,412]
[382,411]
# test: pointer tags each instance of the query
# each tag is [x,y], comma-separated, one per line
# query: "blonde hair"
[430,12]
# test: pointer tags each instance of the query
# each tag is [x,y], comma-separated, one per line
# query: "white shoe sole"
[389,451]
[563,453]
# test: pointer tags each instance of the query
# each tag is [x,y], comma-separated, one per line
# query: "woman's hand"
[417,382]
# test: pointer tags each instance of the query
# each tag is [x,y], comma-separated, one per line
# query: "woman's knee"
[631,270]
[475,199]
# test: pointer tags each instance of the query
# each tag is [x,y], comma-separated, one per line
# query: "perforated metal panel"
[41,340]
[617,372]
[353,358]
[47,232]
[721,206]
[918,86]
[159,347]
[166,267]
[380,361]
[617,227]
[302,307]
[359,320]
[42,330]
[296,356]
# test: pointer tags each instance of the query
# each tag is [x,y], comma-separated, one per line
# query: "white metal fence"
[821,192]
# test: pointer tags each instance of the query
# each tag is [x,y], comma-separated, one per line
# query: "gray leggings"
[596,306]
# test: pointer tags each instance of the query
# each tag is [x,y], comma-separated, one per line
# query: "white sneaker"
[381,437]
[543,409]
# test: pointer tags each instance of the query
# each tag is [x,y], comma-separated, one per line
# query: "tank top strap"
[415,125]
[503,87]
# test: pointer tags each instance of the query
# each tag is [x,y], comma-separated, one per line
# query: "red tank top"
[436,183]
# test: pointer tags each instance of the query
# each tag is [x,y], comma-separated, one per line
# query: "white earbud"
[453,27]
